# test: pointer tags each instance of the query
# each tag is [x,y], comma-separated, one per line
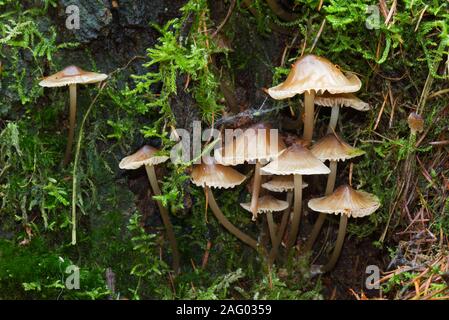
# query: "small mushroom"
[333,149]
[348,203]
[298,161]
[71,76]
[415,123]
[340,100]
[212,175]
[148,156]
[282,184]
[312,75]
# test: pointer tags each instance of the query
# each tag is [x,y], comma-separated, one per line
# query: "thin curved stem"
[165,217]
[271,227]
[72,123]
[338,244]
[256,190]
[334,119]
[309,112]
[296,212]
[322,216]
[226,223]
[280,234]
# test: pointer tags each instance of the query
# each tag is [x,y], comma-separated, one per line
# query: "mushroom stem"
[226,223]
[165,217]
[275,248]
[256,190]
[338,244]
[271,227]
[72,121]
[309,106]
[322,216]
[296,211]
[334,119]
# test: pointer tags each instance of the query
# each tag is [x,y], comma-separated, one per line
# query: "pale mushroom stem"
[256,190]
[338,244]
[226,223]
[296,212]
[334,119]
[322,216]
[72,122]
[165,217]
[280,234]
[309,106]
[271,227]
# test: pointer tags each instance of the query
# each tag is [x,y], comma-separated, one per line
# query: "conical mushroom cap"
[144,156]
[333,148]
[296,160]
[282,184]
[313,73]
[257,142]
[345,200]
[341,100]
[209,174]
[72,75]
[415,123]
[267,204]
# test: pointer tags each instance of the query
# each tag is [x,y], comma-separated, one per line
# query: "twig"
[225,20]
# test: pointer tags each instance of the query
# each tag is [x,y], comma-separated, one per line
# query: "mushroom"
[148,156]
[348,203]
[415,123]
[298,161]
[255,144]
[71,76]
[312,74]
[334,149]
[340,100]
[282,184]
[212,175]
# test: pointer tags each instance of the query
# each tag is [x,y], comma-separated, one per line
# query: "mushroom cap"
[346,200]
[267,204]
[255,143]
[72,75]
[281,184]
[415,122]
[144,156]
[331,147]
[341,100]
[296,159]
[313,73]
[214,175]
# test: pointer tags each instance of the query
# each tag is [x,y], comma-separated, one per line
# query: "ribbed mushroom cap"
[72,75]
[345,200]
[255,143]
[281,184]
[332,147]
[210,174]
[415,123]
[144,156]
[267,204]
[296,160]
[313,73]
[341,100]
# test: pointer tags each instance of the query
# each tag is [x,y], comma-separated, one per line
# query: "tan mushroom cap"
[144,156]
[332,147]
[255,143]
[313,73]
[267,204]
[281,184]
[296,159]
[72,75]
[415,123]
[342,100]
[210,174]
[345,200]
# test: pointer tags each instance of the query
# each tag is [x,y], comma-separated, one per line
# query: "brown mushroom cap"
[341,100]
[296,160]
[332,147]
[415,122]
[267,204]
[144,156]
[345,200]
[210,174]
[313,73]
[255,143]
[282,184]
[72,75]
